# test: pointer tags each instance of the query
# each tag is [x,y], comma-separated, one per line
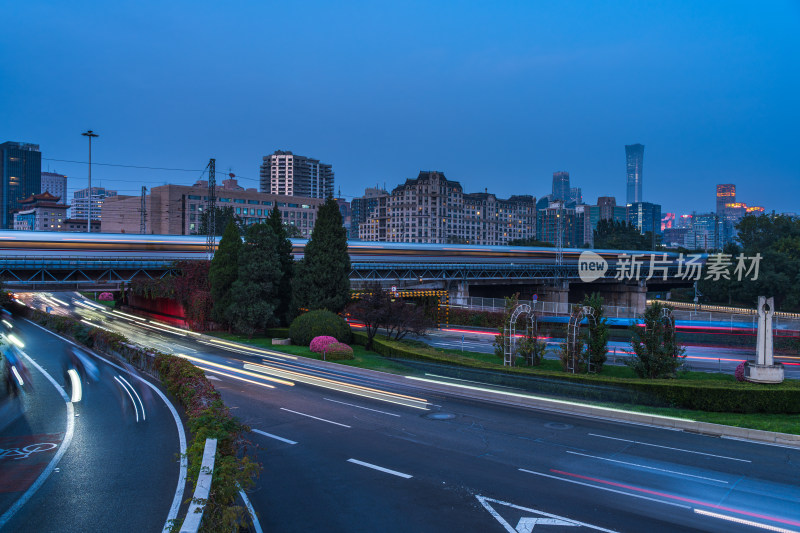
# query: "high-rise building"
[283,173]
[575,196]
[557,218]
[606,209]
[361,209]
[561,186]
[726,194]
[81,199]
[55,184]
[634,158]
[20,177]
[645,216]
[667,221]
[683,222]
[706,232]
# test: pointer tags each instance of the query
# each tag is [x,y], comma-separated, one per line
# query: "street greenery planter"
[318,323]
[338,351]
[718,396]
[207,416]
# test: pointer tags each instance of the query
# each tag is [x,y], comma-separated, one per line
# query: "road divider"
[201,490]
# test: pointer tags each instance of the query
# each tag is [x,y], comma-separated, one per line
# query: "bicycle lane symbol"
[25,452]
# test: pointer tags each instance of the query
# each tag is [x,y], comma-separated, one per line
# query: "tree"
[656,352]
[223,273]
[283,250]
[370,309]
[292,231]
[255,291]
[402,318]
[322,278]
[597,341]
[224,215]
[5,298]
[616,235]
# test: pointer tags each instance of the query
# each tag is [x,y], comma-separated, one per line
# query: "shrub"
[105,297]
[317,323]
[320,344]
[739,372]
[337,351]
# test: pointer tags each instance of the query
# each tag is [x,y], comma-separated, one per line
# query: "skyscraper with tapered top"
[634,157]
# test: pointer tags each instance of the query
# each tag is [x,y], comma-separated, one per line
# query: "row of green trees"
[256,283]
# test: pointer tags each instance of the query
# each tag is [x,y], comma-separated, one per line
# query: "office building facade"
[634,160]
[645,216]
[557,219]
[20,177]
[177,209]
[83,197]
[561,188]
[286,174]
[361,209]
[726,194]
[55,184]
[40,212]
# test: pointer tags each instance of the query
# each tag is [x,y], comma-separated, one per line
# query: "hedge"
[206,413]
[317,323]
[702,396]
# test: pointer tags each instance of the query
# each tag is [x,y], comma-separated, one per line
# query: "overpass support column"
[632,297]
[555,298]
[459,293]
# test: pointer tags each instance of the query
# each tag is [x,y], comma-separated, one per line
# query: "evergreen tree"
[615,235]
[223,215]
[322,278]
[256,290]
[597,341]
[283,250]
[656,353]
[223,273]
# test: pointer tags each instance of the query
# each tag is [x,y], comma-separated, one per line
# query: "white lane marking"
[133,390]
[270,435]
[253,517]
[743,521]
[184,464]
[526,524]
[669,448]
[360,407]
[380,468]
[314,417]
[213,378]
[605,489]
[135,407]
[644,466]
[471,381]
[56,458]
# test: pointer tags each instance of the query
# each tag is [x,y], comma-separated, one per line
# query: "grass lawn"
[363,358]
[783,423]
[90,296]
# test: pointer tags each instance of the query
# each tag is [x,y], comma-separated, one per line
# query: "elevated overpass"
[98,261]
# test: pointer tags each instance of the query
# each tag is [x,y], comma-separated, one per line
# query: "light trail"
[232,369]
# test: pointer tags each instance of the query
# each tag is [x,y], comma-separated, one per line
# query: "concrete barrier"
[195,513]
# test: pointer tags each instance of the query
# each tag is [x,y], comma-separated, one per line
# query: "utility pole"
[143,219]
[89,134]
[212,208]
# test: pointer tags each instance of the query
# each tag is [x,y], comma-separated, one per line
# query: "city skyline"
[420,94]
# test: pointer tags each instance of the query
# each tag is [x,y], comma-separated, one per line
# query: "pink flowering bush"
[105,297]
[739,372]
[337,351]
[320,344]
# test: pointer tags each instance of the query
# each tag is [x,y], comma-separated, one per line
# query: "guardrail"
[195,513]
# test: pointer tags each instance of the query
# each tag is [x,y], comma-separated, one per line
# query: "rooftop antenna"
[212,208]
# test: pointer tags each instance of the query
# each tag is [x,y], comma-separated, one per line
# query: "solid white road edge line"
[669,448]
[314,417]
[743,521]
[645,466]
[177,499]
[133,390]
[270,435]
[360,407]
[56,458]
[605,488]
[380,468]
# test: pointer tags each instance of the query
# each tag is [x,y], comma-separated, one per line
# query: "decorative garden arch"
[574,348]
[532,327]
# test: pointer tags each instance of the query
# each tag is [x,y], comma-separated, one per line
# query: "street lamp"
[90,134]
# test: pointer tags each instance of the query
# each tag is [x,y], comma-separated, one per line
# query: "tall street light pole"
[90,134]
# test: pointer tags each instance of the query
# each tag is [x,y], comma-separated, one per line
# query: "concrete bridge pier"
[459,293]
[633,296]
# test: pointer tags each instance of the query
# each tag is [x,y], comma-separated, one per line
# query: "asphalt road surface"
[101,463]
[350,450]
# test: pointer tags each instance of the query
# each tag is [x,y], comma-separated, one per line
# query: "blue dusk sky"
[497,95]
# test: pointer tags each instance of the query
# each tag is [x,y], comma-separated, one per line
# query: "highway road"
[108,461]
[351,450]
[699,357]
